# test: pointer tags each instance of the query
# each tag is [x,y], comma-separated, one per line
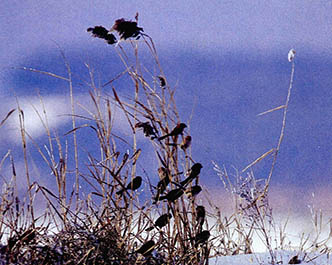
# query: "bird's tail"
[120,192]
[163,137]
[156,198]
[185,182]
[149,228]
[161,198]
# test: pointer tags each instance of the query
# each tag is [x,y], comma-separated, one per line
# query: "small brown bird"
[173,195]
[147,128]
[194,172]
[147,248]
[162,81]
[165,179]
[193,191]
[295,260]
[178,129]
[201,237]
[102,33]
[127,29]
[161,221]
[200,216]
[186,143]
[98,31]
[133,185]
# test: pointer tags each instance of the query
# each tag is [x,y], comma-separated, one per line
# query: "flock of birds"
[171,196]
[127,29]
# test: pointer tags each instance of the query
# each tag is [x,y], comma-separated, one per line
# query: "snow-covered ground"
[282,257]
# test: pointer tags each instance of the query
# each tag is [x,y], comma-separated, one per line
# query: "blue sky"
[228,57]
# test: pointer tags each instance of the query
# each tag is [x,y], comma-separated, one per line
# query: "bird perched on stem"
[162,81]
[200,216]
[147,248]
[178,129]
[147,128]
[193,191]
[125,28]
[133,185]
[172,195]
[185,143]
[194,172]
[102,33]
[295,260]
[165,179]
[161,221]
[201,237]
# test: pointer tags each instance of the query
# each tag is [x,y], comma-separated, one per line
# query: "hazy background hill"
[224,92]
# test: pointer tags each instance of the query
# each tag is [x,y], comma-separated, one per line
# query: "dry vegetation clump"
[124,216]
[111,224]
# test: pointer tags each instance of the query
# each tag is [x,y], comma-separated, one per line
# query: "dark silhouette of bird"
[133,185]
[147,128]
[127,29]
[295,260]
[162,81]
[186,143]
[201,237]
[102,33]
[194,172]
[172,195]
[163,173]
[178,129]
[147,248]
[161,221]
[200,216]
[165,179]
[193,191]
[98,31]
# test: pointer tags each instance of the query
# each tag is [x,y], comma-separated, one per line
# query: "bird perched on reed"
[201,237]
[147,248]
[193,191]
[178,129]
[147,128]
[161,221]
[200,216]
[194,172]
[133,185]
[102,33]
[295,260]
[165,179]
[162,81]
[125,28]
[172,195]
[186,143]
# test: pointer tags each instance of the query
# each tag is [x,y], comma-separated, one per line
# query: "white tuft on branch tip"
[291,55]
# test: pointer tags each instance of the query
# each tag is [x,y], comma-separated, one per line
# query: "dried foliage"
[111,224]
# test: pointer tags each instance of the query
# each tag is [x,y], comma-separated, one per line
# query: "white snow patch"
[282,257]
